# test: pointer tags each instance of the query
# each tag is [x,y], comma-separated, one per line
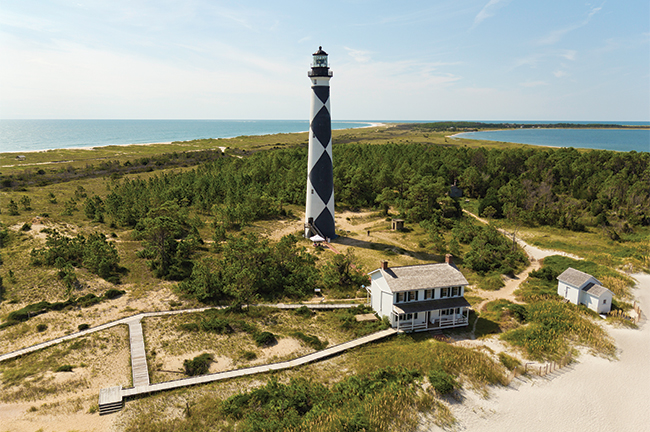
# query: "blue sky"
[407,60]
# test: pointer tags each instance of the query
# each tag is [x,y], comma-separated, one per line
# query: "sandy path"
[535,255]
[595,395]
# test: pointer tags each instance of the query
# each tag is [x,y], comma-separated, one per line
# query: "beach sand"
[592,395]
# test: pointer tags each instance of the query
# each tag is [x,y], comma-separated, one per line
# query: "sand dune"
[592,395]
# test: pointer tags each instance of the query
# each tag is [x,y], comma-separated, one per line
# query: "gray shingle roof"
[429,305]
[575,277]
[595,289]
[425,276]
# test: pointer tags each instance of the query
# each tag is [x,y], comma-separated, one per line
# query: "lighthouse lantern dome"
[320,58]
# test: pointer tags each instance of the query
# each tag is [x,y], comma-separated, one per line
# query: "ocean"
[32,135]
[602,139]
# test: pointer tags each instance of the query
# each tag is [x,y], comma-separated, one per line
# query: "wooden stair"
[110,400]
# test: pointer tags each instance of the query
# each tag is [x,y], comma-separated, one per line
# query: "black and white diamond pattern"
[320,179]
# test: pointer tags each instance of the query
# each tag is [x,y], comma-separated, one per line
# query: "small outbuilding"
[397,224]
[582,288]
[455,191]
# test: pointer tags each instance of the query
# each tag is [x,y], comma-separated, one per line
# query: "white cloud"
[560,73]
[556,35]
[489,10]
[569,54]
[358,55]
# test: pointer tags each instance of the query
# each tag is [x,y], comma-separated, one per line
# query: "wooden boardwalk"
[30,349]
[309,358]
[139,368]
[112,399]
[126,320]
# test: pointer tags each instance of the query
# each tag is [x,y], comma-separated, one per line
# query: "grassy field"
[102,359]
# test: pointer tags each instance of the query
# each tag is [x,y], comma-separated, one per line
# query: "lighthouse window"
[314,81]
[312,191]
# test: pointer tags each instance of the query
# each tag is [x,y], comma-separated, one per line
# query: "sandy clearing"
[595,394]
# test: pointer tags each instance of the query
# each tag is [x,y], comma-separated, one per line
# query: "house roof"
[595,289]
[429,305]
[425,276]
[575,277]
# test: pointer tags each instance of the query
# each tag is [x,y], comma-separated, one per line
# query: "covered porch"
[431,314]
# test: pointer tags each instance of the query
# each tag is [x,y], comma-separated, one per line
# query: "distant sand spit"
[595,394]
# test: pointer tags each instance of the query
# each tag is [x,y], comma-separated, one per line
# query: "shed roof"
[595,289]
[575,277]
[426,276]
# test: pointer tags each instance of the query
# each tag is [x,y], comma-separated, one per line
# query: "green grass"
[534,288]
[420,353]
[553,326]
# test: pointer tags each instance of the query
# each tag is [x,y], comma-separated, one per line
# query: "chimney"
[384,265]
[449,259]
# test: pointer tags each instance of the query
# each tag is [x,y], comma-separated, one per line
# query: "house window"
[444,292]
[428,294]
[400,297]
[455,291]
[413,295]
[604,301]
[406,317]
[457,311]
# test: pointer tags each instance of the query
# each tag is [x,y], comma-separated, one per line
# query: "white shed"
[582,288]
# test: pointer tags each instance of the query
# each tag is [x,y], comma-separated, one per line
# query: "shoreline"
[577,146]
[93,147]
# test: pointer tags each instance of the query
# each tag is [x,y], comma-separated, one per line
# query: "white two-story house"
[420,297]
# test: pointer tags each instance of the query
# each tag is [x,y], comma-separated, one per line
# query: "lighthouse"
[319,212]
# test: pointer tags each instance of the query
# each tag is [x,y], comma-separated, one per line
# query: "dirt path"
[535,255]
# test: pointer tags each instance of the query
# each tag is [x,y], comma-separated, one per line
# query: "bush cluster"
[199,365]
[34,309]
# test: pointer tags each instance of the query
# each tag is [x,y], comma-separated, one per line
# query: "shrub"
[442,381]
[82,327]
[26,226]
[264,339]
[41,327]
[88,300]
[508,361]
[248,355]
[65,368]
[311,340]
[304,312]
[113,293]
[216,325]
[518,311]
[199,365]
[189,327]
